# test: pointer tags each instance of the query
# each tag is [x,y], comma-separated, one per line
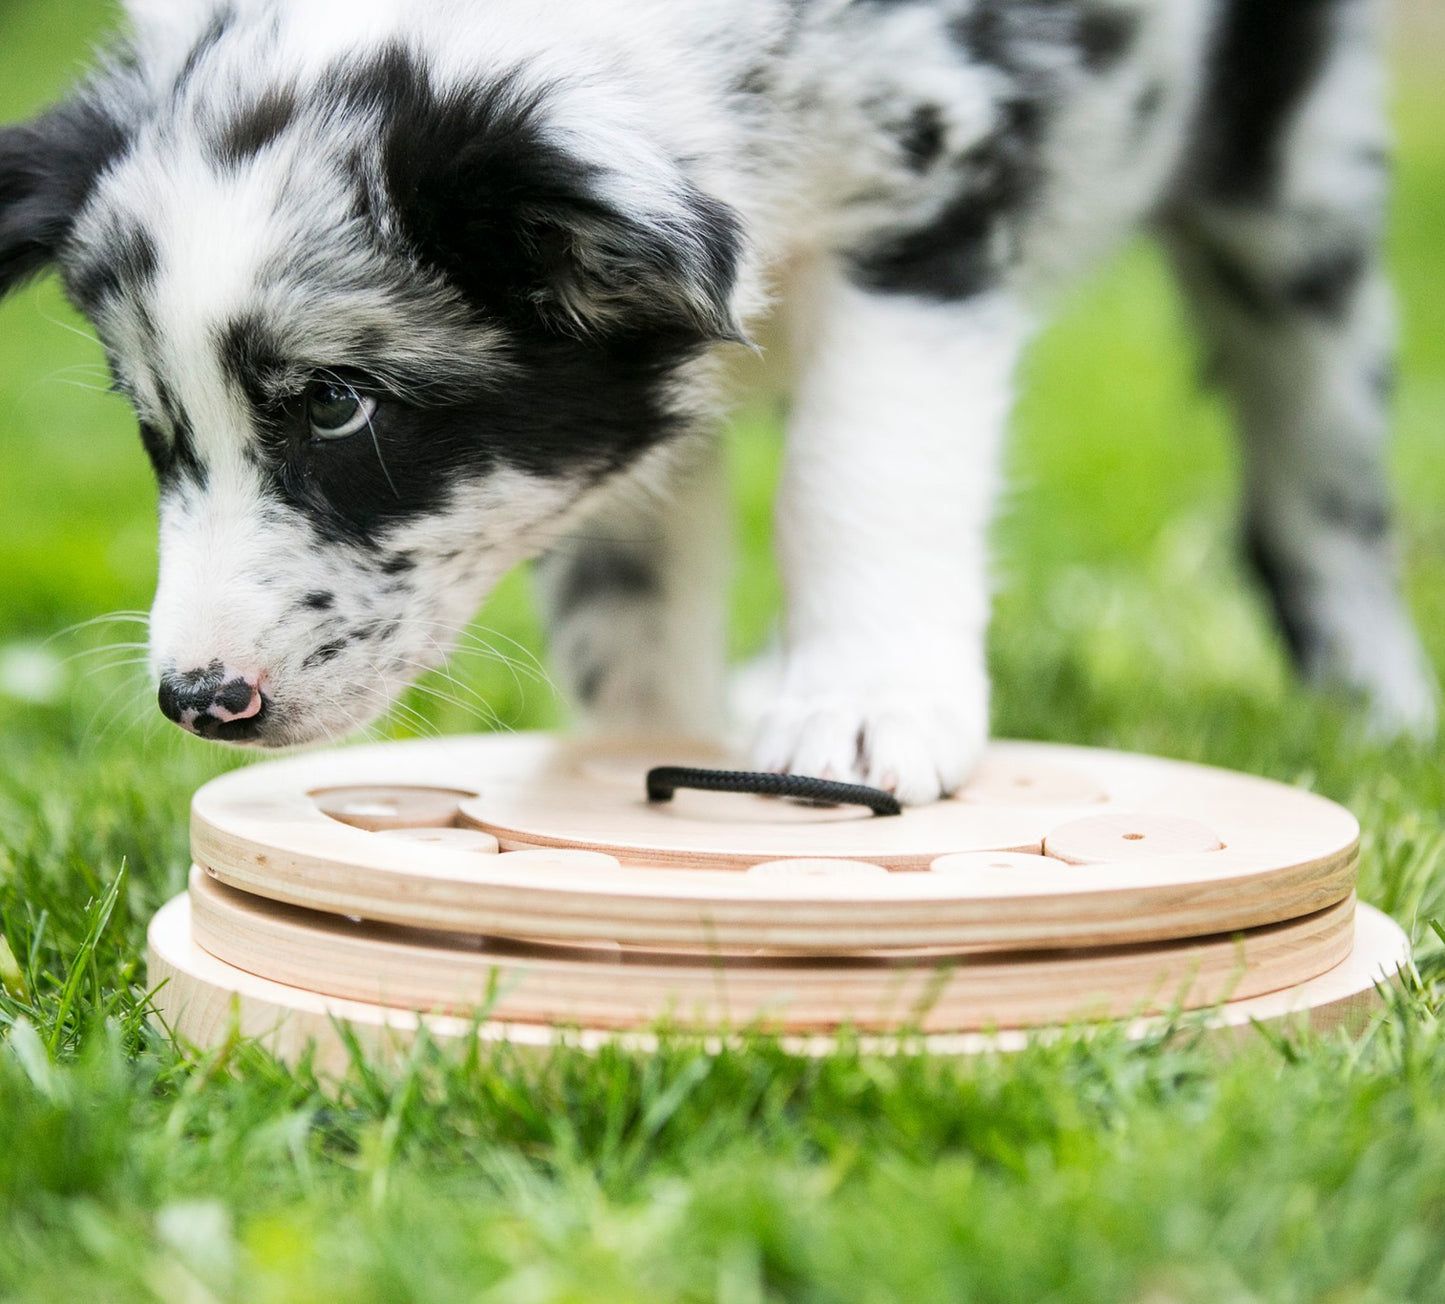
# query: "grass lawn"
[133,1169]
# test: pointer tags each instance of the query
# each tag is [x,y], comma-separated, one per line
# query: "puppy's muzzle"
[215,702]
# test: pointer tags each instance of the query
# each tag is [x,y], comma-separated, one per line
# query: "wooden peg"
[1103,839]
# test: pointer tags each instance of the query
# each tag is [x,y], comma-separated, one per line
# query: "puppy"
[406,291]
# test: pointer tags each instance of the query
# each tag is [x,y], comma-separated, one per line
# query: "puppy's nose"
[214,702]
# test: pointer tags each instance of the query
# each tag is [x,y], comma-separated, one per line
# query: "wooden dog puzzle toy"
[518,887]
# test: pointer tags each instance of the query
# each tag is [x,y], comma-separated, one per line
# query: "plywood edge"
[204,1002]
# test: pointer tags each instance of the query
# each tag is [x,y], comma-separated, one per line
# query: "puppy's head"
[383,335]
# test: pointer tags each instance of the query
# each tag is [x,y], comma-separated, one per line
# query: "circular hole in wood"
[1100,839]
[377,808]
[449,839]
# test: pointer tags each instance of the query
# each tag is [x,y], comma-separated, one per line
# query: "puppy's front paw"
[918,746]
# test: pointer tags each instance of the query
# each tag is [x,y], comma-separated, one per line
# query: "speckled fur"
[532,230]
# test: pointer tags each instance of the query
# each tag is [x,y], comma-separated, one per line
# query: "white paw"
[918,746]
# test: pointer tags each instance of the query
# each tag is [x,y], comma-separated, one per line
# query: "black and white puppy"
[405,290]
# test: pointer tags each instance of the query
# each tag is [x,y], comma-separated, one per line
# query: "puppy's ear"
[47,167]
[495,195]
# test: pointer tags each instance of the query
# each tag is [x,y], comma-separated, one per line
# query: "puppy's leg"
[635,601]
[890,475]
[1278,246]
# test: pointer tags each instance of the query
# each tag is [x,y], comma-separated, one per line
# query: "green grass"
[1309,1170]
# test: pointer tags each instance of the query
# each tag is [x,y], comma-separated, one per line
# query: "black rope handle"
[663,781]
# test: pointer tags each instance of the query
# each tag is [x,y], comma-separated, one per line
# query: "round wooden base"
[204,1001]
[603,987]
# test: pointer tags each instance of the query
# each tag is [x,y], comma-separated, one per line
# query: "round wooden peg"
[1102,839]
[391,807]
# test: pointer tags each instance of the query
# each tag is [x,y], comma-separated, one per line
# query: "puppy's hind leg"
[1277,242]
[636,605]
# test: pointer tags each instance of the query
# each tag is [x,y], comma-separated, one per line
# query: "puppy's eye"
[336,410]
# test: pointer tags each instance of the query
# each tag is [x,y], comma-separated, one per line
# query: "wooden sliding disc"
[815,872]
[1107,839]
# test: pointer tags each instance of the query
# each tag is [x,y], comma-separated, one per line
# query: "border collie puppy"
[406,291]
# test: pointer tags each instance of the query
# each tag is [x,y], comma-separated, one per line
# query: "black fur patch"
[47,169]
[589,683]
[256,126]
[752,81]
[516,223]
[215,29]
[326,652]
[320,600]
[122,266]
[922,136]
[1106,36]
[1368,519]
[251,356]
[156,445]
[1147,106]
[1285,589]
[1326,286]
[1238,284]
[963,251]
[956,256]
[173,451]
[1267,57]
[603,572]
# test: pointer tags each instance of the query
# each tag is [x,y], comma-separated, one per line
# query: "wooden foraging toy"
[532,885]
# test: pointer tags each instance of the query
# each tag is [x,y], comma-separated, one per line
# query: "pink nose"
[214,702]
